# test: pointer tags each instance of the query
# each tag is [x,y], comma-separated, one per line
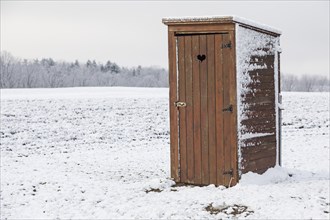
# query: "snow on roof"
[220,19]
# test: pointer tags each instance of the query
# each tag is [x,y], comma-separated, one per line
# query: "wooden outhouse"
[224,95]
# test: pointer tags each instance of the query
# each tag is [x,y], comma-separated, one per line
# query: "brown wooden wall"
[203,135]
[259,153]
[207,133]
[199,152]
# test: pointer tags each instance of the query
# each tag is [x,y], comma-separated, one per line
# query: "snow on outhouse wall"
[257,89]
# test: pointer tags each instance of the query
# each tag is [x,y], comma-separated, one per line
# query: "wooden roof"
[220,20]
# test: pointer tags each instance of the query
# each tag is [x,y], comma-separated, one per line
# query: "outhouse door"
[206,102]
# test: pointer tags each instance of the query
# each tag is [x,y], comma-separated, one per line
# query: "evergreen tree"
[94,64]
[107,66]
[114,68]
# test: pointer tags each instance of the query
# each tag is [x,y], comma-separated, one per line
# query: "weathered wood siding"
[207,134]
[259,153]
[224,87]
[257,109]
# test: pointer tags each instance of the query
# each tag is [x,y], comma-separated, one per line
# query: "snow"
[254,135]
[106,155]
[222,18]
[84,92]
[250,43]
[272,176]
[277,104]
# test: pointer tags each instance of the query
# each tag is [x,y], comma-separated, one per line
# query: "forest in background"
[48,73]
[305,83]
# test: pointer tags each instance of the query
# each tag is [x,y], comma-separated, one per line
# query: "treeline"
[305,83]
[47,73]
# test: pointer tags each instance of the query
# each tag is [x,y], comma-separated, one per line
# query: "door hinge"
[227,45]
[228,109]
[229,172]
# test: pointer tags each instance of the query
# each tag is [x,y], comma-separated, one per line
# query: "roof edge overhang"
[192,20]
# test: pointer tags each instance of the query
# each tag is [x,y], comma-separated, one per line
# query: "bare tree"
[289,82]
[322,84]
[307,83]
[29,72]
[7,65]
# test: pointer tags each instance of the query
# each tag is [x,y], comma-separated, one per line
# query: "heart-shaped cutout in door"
[201,57]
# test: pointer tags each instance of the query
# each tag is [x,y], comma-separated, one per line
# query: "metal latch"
[228,109]
[229,172]
[180,104]
[227,45]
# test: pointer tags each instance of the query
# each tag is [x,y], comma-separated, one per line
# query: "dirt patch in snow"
[153,190]
[232,210]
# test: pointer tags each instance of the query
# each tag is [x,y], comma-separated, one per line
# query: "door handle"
[180,104]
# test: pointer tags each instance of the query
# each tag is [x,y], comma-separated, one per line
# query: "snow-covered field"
[92,153]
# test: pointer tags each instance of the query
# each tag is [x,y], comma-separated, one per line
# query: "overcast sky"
[131,33]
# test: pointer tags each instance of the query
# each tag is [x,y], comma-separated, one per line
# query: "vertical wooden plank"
[218,107]
[232,99]
[279,71]
[189,108]
[173,111]
[227,116]
[196,107]
[182,111]
[279,149]
[204,110]
[211,108]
